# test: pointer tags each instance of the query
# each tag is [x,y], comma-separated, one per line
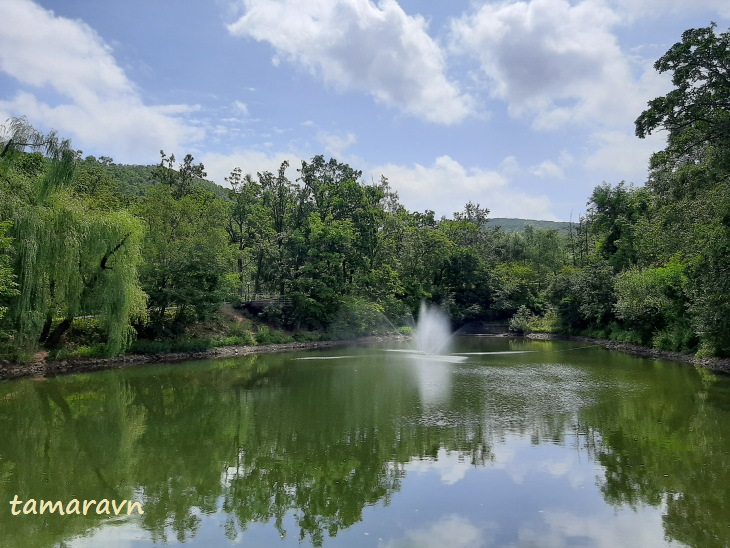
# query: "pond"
[515,443]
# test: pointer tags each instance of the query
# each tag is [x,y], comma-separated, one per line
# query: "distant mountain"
[519,225]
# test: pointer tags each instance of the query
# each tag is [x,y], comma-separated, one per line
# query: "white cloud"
[446,186]
[548,169]
[218,166]
[335,144]
[241,107]
[621,156]
[355,44]
[553,61]
[100,107]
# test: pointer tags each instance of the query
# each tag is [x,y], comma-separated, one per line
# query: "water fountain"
[432,337]
[433,331]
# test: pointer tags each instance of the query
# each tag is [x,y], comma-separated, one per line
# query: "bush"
[676,339]
[263,336]
[146,346]
[358,317]
[235,340]
[307,336]
[95,351]
[525,321]
[266,335]
[273,314]
[86,332]
[549,322]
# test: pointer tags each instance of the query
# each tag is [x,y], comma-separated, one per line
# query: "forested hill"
[519,225]
[135,180]
[150,250]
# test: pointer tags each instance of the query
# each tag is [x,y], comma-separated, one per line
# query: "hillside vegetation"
[120,255]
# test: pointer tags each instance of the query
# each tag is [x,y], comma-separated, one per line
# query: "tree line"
[149,251]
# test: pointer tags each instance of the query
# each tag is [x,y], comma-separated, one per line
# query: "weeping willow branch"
[64,249]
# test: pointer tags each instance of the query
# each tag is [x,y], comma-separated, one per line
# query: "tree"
[613,214]
[186,254]
[696,113]
[70,258]
[8,284]
[652,299]
[690,177]
[180,180]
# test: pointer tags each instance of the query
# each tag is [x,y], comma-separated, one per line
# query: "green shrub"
[266,335]
[86,332]
[522,320]
[145,346]
[307,336]
[676,339]
[263,336]
[549,322]
[358,317]
[235,340]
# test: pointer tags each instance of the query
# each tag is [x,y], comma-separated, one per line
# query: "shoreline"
[14,371]
[718,365]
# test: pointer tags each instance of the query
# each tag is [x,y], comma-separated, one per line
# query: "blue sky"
[522,106]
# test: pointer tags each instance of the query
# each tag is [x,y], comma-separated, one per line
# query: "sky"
[521,106]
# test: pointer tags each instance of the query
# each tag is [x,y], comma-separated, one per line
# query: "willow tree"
[70,259]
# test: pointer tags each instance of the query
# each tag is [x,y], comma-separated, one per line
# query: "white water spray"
[433,332]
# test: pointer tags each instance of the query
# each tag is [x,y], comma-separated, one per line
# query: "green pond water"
[557,445]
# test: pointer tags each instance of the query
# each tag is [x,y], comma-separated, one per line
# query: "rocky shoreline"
[43,368]
[721,365]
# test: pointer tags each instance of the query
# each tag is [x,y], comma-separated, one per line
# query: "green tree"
[8,284]
[689,178]
[696,113]
[70,258]
[652,300]
[613,216]
[186,254]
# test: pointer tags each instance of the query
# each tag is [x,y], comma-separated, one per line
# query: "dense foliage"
[149,250]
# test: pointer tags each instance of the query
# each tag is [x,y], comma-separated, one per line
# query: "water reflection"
[452,530]
[582,447]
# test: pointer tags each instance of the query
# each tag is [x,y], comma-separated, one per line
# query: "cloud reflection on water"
[453,530]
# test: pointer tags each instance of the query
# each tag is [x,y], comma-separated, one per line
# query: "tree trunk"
[54,338]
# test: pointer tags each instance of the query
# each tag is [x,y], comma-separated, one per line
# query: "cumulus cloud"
[446,185]
[548,169]
[218,166]
[358,45]
[43,52]
[553,61]
[240,107]
[619,155]
[336,144]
